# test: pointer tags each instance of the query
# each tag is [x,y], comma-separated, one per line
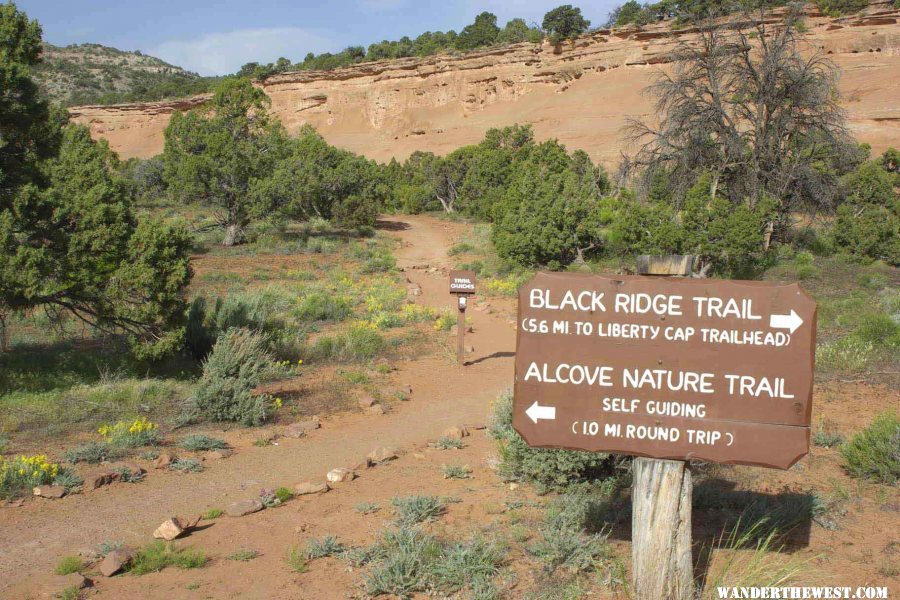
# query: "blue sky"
[215,38]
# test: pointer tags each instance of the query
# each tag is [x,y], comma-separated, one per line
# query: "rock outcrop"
[581,92]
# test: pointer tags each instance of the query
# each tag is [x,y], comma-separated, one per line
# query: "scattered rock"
[381,455]
[406,389]
[218,453]
[340,475]
[169,530]
[245,507]
[301,428]
[98,479]
[456,433]
[414,289]
[367,402]
[50,491]
[163,461]
[115,561]
[513,486]
[305,487]
[375,409]
[431,270]
[418,455]
[470,349]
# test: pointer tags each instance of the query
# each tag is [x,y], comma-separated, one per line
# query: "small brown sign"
[666,368]
[462,282]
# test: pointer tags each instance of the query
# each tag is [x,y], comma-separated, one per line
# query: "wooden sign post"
[462,286]
[661,499]
[669,369]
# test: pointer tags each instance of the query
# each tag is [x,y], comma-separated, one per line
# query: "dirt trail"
[36,535]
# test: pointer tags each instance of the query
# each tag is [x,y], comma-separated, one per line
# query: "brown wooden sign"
[462,282]
[666,368]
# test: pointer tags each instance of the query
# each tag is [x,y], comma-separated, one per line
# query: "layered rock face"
[582,93]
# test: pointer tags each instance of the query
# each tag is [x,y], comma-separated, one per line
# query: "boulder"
[115,561]
[50,491]
[381,455]
[340,475]
[456,433]
[305,488]
[245,507]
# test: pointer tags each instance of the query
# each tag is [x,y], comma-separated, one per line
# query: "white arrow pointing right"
[791,321]
[536,411]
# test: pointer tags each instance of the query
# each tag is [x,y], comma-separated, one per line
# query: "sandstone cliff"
[581,93]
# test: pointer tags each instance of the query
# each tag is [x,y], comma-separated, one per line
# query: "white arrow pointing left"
[791,321]
[536,411]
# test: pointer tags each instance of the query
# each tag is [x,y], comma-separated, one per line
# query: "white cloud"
[223,53]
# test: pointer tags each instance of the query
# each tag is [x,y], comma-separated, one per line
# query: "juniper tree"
[744,104]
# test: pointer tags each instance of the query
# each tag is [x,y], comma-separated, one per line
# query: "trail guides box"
[666,368]
[462,282]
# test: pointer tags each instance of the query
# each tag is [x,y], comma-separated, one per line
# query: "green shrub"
[327,546]
[198,442]
[555,469]
[361,341]
[449,443]
[68,565]
[836,8]
[827,439]
[209,318]
[846,355]
[410,510]
[868,233]
[283,494]
[131,434]
[460,248]
[407,560]
[92,453]
[238,363]
[156,556]
[874,452]
[468,564]
[872,281]
[296,559]
[867,225]
[320,305]
[805,272]
[879,329]
[243,555]
[186,465]
[567,536]
[456,472]
[19,474]
[403,560]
